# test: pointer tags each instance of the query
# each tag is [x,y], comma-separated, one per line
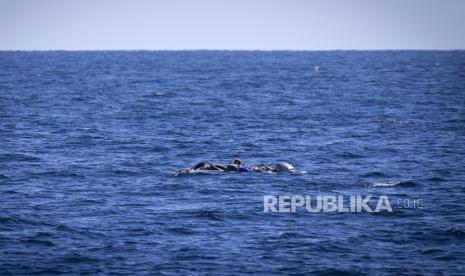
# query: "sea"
[91,143]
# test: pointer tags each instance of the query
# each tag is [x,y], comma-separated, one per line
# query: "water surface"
[89,141]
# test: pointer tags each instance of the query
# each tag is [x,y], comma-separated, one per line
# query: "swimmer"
[236,165]
[205,166]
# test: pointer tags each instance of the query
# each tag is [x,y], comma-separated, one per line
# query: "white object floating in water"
[384,185]
[284,167]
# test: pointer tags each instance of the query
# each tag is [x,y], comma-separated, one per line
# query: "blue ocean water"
[90,141]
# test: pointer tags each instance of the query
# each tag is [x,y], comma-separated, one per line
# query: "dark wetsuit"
[205,166]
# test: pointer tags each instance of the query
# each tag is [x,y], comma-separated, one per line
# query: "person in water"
[236,165]
[233,166]
[205,166]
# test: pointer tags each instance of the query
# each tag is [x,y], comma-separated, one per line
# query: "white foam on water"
[383,184]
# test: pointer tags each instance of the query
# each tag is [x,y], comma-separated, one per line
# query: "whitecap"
[383,184]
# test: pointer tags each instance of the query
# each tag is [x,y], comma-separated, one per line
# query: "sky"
[231,24]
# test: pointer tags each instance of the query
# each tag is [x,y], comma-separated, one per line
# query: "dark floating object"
[236,165]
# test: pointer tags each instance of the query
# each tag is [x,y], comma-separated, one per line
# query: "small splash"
[384,184]
[230,140]
[388,184]
[316,68]
[155,94]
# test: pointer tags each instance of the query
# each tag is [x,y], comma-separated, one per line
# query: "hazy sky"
[238,24]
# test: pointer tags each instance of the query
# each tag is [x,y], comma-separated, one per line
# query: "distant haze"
[239,24]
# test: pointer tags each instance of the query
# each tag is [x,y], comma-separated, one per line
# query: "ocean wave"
[389,184]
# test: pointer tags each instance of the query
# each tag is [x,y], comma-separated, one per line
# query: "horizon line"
[231,50]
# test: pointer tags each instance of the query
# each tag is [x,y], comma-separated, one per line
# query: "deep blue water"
[89,142]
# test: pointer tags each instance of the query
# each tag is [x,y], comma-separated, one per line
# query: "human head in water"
[237,162]
[283,167]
